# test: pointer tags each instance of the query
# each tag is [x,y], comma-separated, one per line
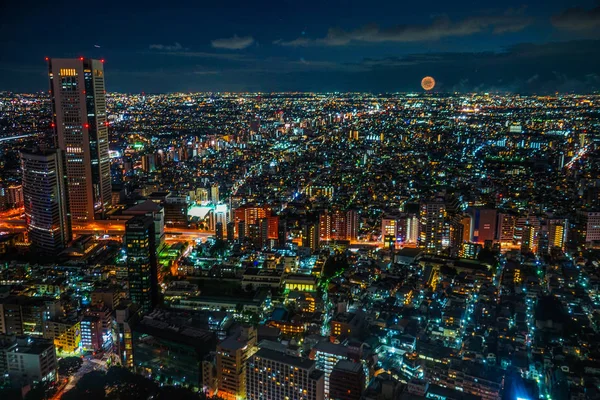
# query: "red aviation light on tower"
[86,126]
[80,58]
[46,58]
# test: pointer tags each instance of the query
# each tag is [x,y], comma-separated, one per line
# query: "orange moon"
[428,83]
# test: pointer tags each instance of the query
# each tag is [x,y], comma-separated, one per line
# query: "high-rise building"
[338,225]
[232,354]
[484,224]
[140,247]
[389,227]
[434,233]
[506,229]
[214,193]
[592,226]
[219,230]
[281,233]
[81,132]
[252,215]
[91,333]
[46,200]
[326,356]
[557,233]
[310,236]
[346,381]
[274,375]
[230,231]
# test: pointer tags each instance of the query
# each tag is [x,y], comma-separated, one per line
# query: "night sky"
[541,46]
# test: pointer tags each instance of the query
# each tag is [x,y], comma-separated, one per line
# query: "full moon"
[428,83]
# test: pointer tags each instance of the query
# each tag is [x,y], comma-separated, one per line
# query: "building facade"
[81,131]
[46,200]
[142,274]
[274,375]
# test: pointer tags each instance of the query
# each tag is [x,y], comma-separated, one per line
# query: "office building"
[142,274]
[66,334]
[274,375]
[91,333]
[219,231]
[168,347]
[230,231]
[81,132]
[346,381]
[46,200]
[157,211]
[483,225]
[28,361]
[126,315]
[24,315]
[232,354]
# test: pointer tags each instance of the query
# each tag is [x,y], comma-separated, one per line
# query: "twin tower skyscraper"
[69,184]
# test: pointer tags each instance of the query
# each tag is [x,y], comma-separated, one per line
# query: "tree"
[89,387]
[69,365]
[40,391]
[334,264]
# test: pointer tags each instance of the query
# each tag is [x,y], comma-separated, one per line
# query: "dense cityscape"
[339,246]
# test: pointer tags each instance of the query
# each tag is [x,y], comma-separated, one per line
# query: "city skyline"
[538,47]
[430,232]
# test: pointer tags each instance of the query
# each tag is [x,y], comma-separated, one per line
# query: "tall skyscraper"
[81,132]
[46,200]
[140,246]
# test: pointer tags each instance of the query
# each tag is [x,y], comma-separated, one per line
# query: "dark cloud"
[441,27]
[168,47]
[233,43]
[201,54]
[578,19]
[524,68]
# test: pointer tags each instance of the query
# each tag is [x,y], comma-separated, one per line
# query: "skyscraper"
[46,200]
[80,127]
[140,246]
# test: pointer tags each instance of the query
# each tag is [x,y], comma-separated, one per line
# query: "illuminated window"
[68,72]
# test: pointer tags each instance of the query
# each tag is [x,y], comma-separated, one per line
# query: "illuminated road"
[6,139]
[582,152]
[113,228]
[118,228]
